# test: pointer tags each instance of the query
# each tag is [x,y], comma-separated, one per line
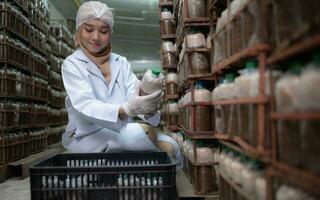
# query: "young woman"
[103,93]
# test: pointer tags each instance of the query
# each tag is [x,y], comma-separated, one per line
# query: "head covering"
[89,11]
[94,10]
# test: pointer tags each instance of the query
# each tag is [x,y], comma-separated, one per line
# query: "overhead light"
[130,18]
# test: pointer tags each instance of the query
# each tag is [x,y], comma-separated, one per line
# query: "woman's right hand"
[141,105]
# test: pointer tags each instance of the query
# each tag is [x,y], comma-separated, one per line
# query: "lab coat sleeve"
[130,80]
[82,97]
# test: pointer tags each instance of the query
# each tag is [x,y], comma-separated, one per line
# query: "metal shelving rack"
[227,184]
[187,80]
[236,56]
[30,134]
[168,67]
[261,151]
[259,51]
[266,153]
[290,174]
[60,41]
[30,69]
[192,132]
[183,20]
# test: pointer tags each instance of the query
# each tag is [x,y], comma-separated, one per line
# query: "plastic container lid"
[251,64]
[200,143]
[165,10]
[243,159]
[229,77]
[295,67]
[199,85]
[191,30]
[316,58]
[155,71]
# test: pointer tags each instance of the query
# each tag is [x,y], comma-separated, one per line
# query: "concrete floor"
[15,189]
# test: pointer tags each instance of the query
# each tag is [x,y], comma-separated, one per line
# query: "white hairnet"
[94,10]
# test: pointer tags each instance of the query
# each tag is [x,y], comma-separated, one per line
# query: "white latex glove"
[155,110]
[141,105]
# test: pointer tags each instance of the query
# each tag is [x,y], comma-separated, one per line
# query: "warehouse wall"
[141,53]
[139,66]
[55,14]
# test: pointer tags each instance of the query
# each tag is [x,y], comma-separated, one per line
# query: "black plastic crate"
[114,176]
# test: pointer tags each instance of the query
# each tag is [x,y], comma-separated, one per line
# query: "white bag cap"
[94,10]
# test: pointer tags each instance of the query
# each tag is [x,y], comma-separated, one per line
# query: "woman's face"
[95,35]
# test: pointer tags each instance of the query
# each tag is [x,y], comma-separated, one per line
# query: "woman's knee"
[151,132]
[167,147]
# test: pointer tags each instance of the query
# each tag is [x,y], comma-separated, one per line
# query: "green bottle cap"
[200,143]
[243,159]
[155,71]
[251,64]
[229,77]
[191,30]
[295,67]
[316,58]
[255,164]
[199,85]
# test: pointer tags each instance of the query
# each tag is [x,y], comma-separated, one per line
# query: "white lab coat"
[93,104]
